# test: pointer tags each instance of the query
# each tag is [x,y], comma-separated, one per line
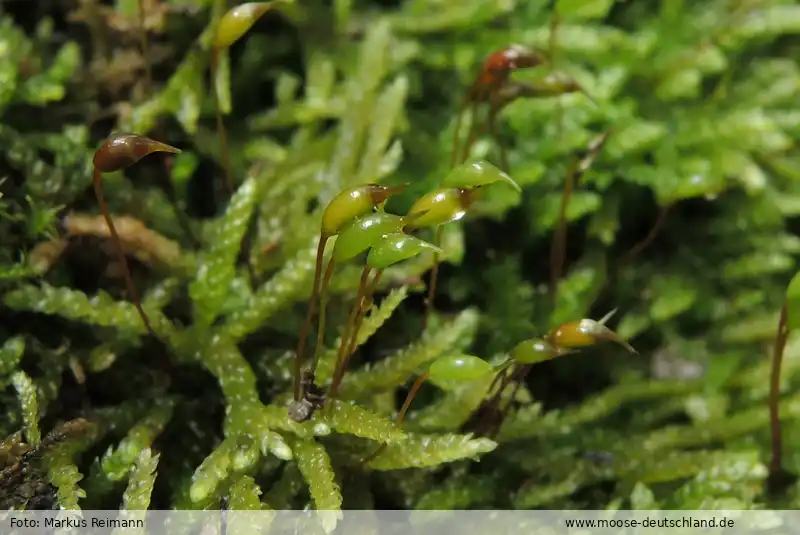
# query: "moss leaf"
[100,310]
[419,451]
[217,267]
[388,109]
[351,419]
[286,285]
[117,462]
[213,470]
[64,475]
[10,354]
[29,402]
[244,495]
[315,465]
[140,485]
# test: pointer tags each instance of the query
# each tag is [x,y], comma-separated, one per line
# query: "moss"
[684,223]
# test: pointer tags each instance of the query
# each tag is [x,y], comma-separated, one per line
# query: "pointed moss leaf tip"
[396,247]
[246,455]
[140,484]
[117,462]
[212,471]
[476,174]
[272,442]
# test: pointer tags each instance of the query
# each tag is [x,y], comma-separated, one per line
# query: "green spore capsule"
[476,174]
[231,27]
[440,206]
[537,350]
[458,368]
[340,212]
[396,247]
[354,202]
[237,21]
[363,233]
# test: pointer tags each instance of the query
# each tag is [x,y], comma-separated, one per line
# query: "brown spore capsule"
[124,149]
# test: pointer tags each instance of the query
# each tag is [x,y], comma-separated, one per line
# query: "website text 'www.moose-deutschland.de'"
[683,522]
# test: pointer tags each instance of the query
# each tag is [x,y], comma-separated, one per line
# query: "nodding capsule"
[586,332]
[498,65]
[354,202]
[440,206]
[512,57]
[122,150]
[237,21]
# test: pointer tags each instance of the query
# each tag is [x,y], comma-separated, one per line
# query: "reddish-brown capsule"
[499,64]
[492,78]
[122,150]
[119,151]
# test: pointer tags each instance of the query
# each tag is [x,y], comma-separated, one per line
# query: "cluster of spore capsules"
[357,220]
[563,340]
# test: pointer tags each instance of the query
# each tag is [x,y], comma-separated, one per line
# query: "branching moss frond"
[418,451]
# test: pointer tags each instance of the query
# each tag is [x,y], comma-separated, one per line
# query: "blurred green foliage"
[701,101]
